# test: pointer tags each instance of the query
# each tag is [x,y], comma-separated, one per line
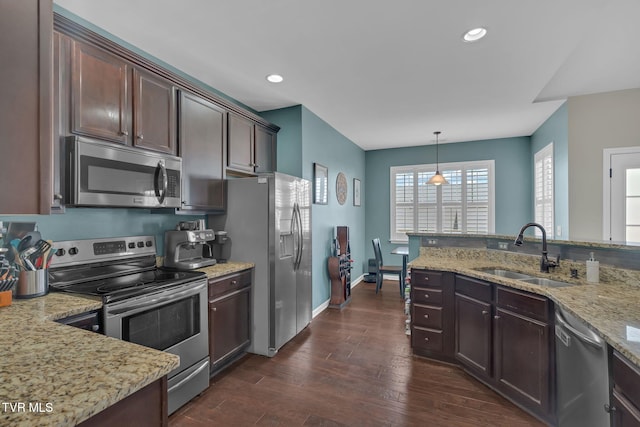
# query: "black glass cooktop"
[121,287]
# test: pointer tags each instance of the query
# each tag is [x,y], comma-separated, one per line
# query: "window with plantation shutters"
[465,205]
[543,189]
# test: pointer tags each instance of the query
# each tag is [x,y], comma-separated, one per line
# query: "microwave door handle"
[161,193]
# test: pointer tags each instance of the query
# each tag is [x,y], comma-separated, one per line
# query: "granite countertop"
[609,308]
[61,374]
[219,270]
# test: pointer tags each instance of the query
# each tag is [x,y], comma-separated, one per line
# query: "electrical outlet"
[503,245]
[432,241]
[558,231]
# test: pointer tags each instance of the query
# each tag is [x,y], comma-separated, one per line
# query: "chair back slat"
[377,252]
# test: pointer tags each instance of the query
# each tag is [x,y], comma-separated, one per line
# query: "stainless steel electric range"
[161,309]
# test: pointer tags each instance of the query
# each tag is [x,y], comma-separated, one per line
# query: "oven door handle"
[204,365]
[158,301]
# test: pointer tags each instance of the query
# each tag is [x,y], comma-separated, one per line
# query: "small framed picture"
[356,192]
[320,184]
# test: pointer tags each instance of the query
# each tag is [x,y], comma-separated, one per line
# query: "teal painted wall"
[289,119]
[322,144]
[512,190]
[556,129]
[86,223]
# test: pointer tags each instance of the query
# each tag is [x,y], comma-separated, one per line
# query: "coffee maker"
[221,246]
[188,247]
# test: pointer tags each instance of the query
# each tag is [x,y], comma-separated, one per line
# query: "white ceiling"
[388,73]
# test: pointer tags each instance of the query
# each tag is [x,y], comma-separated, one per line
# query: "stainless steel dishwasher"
[582,374]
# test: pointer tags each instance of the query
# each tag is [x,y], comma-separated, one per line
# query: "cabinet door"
[521,356]
[154,112]
[99,94]
[26,116]
[201,143]
[240,147]
[624,413]
[473,334]
[229,328]
[265,150]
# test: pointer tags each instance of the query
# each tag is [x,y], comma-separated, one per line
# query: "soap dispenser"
[593,270]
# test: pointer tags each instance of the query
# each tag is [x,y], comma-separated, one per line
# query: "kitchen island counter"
[57,375]
[610,308]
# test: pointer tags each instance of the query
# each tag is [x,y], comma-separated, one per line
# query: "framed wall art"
[356,192]
[320,184]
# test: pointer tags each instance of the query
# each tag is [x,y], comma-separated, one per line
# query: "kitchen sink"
[550,283]
[540,281]
[506,273]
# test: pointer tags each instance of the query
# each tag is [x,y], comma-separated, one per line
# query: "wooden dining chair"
[382,269]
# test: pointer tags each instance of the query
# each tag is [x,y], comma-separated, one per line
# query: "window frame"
[430,169]
[541,155]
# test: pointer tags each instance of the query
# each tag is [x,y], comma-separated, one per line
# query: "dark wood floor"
[349,368]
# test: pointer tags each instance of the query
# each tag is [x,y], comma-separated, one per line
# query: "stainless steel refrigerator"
[268,222]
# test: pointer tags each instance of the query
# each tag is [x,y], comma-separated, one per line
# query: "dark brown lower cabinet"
[229,318]
[503,338]
[146,407]
[625,392]
[473,334]
[432,314]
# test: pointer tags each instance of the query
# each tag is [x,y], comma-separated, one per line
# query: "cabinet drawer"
[626,378]
[426,296]
[427,316]
[426,339]
[425,278]
[530,305]
[473,288]
[219,286]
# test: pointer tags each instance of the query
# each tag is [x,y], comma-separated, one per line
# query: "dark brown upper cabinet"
[251,148]
[104,106]
[240,149]
[154,113]
[265,150]
[100,99]
[26,106]
[201,143]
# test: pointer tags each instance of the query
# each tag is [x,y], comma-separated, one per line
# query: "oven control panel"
[72,252]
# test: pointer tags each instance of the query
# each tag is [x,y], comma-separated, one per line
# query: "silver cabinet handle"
[496,317]
[485,312]
[426,316]
[426,296]
[141,137]
[214,308]
[124,133]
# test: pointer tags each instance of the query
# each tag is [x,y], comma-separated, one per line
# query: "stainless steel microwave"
[106,174]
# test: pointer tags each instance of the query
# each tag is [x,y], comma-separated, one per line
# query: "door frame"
[606,185]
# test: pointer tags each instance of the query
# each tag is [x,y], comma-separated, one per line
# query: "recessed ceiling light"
[475,34]
[275,78]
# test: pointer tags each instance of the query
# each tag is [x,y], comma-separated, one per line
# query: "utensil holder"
[32,284]
[5,298]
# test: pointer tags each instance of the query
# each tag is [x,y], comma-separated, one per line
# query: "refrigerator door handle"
[300,236]
[296,241]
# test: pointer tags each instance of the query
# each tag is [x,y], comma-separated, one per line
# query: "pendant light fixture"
[437,179]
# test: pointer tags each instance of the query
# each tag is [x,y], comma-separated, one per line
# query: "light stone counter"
[219,270]
[65,375]
[611,308]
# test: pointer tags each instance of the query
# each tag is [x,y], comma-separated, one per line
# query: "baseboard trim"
[322,307]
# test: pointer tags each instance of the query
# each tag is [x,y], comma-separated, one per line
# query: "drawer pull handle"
[426,316]
[234,282]
[426,339]
[609,408]
[496,317]
[426,296]
[485,312]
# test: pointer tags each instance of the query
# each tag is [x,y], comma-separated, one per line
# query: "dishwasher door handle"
[582,337]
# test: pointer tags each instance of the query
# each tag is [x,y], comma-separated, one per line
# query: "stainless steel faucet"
[545,263]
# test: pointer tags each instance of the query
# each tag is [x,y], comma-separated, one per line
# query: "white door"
[624,195]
